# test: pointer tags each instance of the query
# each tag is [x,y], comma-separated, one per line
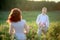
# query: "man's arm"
[37,20]
[47,22]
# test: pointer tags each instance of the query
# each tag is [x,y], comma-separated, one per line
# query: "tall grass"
[30,17]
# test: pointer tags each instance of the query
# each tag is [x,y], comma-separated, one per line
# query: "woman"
[18,26]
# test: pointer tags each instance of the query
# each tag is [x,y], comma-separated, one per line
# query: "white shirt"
[19,29]
[42,18]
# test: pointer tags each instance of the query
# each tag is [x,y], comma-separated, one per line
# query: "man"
[42,21]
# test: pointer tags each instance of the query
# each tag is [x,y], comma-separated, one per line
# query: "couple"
[19,27]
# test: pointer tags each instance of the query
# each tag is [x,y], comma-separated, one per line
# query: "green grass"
[30,17]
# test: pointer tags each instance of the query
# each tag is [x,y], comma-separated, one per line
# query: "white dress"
[19,29]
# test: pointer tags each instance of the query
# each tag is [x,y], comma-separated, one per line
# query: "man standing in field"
[42,22]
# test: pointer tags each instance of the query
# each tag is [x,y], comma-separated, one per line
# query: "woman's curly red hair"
[15,15]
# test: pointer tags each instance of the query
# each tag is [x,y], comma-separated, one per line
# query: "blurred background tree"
[29,5]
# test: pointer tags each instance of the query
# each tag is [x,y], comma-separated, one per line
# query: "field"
[30,17]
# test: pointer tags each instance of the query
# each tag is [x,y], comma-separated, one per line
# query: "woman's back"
[18,26]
